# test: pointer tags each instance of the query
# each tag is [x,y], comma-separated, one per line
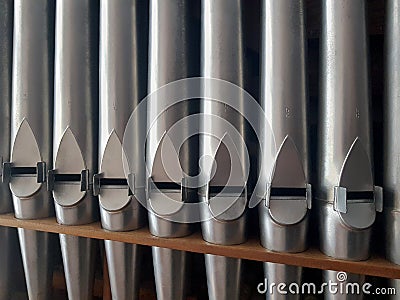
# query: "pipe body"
[123,58]
[75,136]
[171,38]
[9,251]
[346,196]
[391,129]
[31,137]
[224,195]
[284,209]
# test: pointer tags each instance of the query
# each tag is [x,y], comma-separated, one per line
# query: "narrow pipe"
[391,129]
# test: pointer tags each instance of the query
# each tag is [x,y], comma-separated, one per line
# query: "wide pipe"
[224,196]
[284,209]
[75,136]
[123,80]
[31,137]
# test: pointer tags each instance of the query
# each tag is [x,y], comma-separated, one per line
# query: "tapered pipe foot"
[78,256]
[223,277]
[123,262]
[170,273]
[343,286]
[8,256]
[290,276]
[37,249]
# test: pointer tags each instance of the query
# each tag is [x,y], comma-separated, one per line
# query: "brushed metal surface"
[6,27]
[286,274]
[221,286]
[222,57]
[76,103]
[32,103]
[345,137]
[284,98]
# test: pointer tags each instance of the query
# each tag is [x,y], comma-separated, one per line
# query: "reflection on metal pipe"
[75,136]
[8,236]
[170,45]
[225,192]
[123,53]
[31,134]
[391,128]
[346,194]
[284,209]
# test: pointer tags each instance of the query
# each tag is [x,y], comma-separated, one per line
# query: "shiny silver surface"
[31,134]
[283,216]
[32,105]
[38,260]
[220,267]
[392,107]
[391,128]
[222,57]
[347,197]
[279,273]
[170,273]
[392,236]
[124,263]
[6,27]
[78,256]
[170,41]
[332,276]
[75,136]
[122,87]
[76,108]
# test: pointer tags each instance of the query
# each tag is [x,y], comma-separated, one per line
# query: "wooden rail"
[251,250]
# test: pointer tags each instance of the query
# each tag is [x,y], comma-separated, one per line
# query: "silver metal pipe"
[31,137]
[391,129]
[280,273]
[284,209]
[170,59]
[222,58]
[343,281]
[9,251]
[75,136]
[346,194]
[123,64]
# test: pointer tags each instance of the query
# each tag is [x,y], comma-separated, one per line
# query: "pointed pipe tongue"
[123,262]
[223,277]
[170,273]
[78,259]
[37,250]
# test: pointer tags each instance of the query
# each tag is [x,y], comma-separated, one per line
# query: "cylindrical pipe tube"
[222,58]
[391,179]
[346,194]
[123,68]
[75,135]
[31,133]
[284,210]
[170,59]
[8,236]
